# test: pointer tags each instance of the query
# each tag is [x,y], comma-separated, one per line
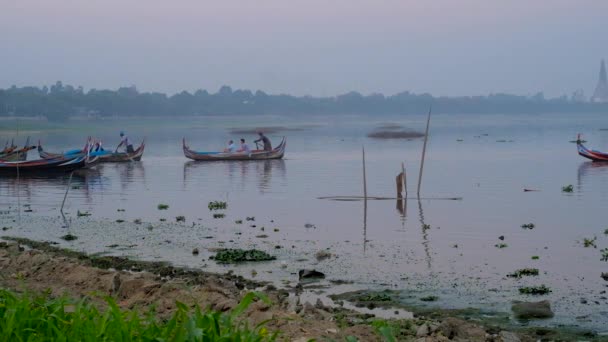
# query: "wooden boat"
[14,154]
[594,155]
[276,153]
[44,166]
[104,156]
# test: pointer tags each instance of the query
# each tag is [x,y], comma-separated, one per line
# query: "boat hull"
[276,153]
[108,157]
[593,155]
[55,166]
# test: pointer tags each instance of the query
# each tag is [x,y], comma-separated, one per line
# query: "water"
[384,246]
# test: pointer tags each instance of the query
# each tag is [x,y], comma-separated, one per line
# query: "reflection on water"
[425,235]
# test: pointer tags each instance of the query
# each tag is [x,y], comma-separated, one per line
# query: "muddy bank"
[40,266]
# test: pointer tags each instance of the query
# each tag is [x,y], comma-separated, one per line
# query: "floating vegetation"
[501,245]
[6,228]
[82,213]
[528,226]
[163,206]
[604,254]
[162,219]
[218,215]
[252,218]
[604,276]
[606,231]
[429,298]
[226,256]
[589,242]
[535,257]
[238,221]
[275,230]
[535,290]
[180,218]
[568,188]
[426,226]
[120,221]
[523,272]
[69,237]
[217,205]
[137,221]
[375,297]
[120,210]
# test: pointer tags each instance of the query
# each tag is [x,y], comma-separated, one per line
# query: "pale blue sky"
[316,47]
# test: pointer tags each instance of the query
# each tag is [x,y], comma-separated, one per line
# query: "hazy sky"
[316,47]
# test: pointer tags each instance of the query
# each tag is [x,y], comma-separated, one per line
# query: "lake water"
[487,160]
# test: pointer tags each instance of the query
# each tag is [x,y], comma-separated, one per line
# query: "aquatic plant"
[69,237]
[375,297]
[535,290]
[589,242]
[137,221]
[528,226]
[162,219]
[501,245]
[604,254]
[535,257]
[120,221]
[119,210]
[429,298]
[180,218]
[218,215]
[568,188]
[238,221]
[163,206]
[606,231]
[426,226]
[239,255]
[82,213]
[252,218]
[217,205]
[28,317]
[523,272]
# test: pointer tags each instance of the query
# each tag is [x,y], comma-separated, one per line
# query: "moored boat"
[276,153]
[594,155]
[104,156]
[13,153]
[44,166]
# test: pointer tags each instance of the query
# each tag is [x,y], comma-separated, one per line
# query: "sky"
[312,47]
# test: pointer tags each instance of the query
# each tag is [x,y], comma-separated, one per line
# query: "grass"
[180,219]
[528,226]
[218,215]
[375,297]
[429,298]
[227,256]
[604,254]
[535,257]
[589,242]
[501,245]
[523,273]
[27,317]
[535,290]
[163,206]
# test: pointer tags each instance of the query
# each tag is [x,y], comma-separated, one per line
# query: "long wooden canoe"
[17,155]
[594,155]
[44,166]
[277,153]
[104,156]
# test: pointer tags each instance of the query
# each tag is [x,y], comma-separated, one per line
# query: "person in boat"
[231,148]
[124,141]
[98,147]
[264,139]
[244,147]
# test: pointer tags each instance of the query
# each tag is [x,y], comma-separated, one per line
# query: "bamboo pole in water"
[426,138]
[364,176]
[66,192]
[404,178]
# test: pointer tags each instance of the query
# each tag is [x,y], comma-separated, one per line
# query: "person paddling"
[264,139]
[124,141]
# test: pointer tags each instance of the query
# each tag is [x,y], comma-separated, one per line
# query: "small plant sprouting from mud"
[217,205]
[238,222]
[604,276]
[375,297]
[82,213]
[568,188]
[239,255]
[523,272]
[180,218]
[589,242]
[501,245]
[218,215]
[429,298]
[252,218]
[162,219]
[137,221]
[120,221]
[120,210]
[606,231]
[604,254]
[528,226]
[535,257]
[426,226]
[163,206]
[535,290]
[69,237]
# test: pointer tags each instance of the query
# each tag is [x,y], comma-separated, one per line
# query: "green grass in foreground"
[41,318]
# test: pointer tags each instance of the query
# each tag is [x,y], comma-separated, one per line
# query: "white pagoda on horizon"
[601,91]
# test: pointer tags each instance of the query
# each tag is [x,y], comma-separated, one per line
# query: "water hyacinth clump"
[163,206]
[528,226]
[239,255]
[41,318]
[568,188]
[217,205]
[523,272]
[535,290]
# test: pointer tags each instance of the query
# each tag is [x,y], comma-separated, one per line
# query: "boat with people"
[594,155]
[45,167]
[275,153]
[103,155]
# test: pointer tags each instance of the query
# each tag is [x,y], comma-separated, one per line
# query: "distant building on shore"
[601,91]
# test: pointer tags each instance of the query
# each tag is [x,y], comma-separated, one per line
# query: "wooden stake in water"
[364,176]
[404,179]
[426,138]
[66,192]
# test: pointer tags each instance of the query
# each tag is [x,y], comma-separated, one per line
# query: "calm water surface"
[385,246]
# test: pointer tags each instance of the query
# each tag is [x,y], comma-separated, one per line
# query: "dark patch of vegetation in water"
[589,242]
[429,298]
[82,213]
[163,206]
[180,219]
[535,290]
[604,254]
[137,221]
[218,215]
[239,255]
[501,245]
[568,188]
[238,221]
[523,272]
[120,221]
[217,205]
[69,237]
[252,218]
[395,134]
[528,226]
[535,257]
[375,297]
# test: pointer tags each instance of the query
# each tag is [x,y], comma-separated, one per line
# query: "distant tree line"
[59,102]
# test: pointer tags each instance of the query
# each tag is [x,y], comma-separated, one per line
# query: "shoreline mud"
[28,265]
